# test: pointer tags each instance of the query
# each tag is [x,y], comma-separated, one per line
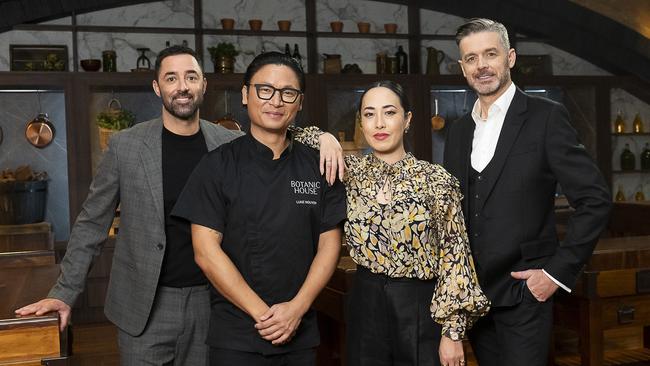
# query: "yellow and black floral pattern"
[419,233]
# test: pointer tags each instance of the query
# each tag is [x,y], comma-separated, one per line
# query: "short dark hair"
[173,51]
[476,25]
[274,58]
[392,86]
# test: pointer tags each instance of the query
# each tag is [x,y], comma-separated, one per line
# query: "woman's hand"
[331,157]
[451,352]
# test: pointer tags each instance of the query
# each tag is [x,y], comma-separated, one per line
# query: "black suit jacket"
[537,149]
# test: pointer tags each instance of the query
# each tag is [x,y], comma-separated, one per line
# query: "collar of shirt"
[500,105]
[487,131]
[379,169]
[265,152]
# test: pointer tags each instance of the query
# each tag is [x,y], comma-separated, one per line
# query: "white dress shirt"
[487,131]
[486,136]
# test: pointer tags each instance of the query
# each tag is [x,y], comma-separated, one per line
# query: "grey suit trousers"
[175,333]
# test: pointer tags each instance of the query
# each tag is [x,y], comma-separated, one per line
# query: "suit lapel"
[466,138]
[515,118]
[151,155]
[210,138]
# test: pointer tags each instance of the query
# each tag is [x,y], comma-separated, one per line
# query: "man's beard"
[488,90]
[186,111]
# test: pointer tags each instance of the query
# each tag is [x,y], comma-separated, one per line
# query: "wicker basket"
[104,136]
[114,108]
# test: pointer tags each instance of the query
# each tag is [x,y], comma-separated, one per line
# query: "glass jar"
[109,61]
[645,157]
[627,159]
[619,123]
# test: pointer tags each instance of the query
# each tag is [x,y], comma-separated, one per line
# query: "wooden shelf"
[260,33]
[630,134]
[361,35]
[635,171]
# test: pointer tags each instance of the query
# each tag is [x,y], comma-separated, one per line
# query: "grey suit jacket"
[130,174]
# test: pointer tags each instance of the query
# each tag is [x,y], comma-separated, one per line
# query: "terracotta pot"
[284,25]
[337,26]
[390,28]
[255,24]
[227,23]
[363,27]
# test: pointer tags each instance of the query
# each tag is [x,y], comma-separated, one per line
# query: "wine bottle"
[619,123]
[637,125]
[287,49]
[402,61]
[639,196]
[296,54]
[620,196]
[627,159]
[645,157]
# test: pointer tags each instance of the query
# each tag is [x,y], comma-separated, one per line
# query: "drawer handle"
[625,314]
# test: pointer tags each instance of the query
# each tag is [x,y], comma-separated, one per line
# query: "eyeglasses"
[266,92]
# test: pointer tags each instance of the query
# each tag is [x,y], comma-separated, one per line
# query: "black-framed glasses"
[266,92]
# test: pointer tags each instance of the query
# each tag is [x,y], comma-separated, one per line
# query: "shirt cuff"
[565,288]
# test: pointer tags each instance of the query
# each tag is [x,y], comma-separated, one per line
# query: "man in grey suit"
[157,296]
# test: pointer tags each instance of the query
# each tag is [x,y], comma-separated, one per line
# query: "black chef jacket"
[271,214]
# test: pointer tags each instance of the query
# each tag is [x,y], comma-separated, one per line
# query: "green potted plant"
[112,120]
[223,57]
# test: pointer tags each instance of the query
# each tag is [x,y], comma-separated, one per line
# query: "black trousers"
[389,322]
[514,336]
[226,357]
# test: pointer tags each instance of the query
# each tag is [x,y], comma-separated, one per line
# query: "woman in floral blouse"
[415,286]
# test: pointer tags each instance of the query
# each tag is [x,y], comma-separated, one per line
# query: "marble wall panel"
[32,38]
[168,13]
[17,110]
[269,11]
[60,21]
[433,22]
[564,63]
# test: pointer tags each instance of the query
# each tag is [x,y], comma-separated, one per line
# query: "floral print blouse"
[418,233]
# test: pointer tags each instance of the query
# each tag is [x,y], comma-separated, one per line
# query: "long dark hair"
[274,58]
[392,86]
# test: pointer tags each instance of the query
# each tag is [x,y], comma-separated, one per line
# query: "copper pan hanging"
[40,131]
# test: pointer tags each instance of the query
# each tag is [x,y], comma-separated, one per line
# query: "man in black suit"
[509,154]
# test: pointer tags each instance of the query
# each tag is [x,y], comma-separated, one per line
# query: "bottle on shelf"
[287,49]
[620,196]
[296,54]
[639,196]
[619,123]
[645,157]
[637,125]
[402,61]
[627,158]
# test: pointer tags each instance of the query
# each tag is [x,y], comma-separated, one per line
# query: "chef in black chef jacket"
[265,227]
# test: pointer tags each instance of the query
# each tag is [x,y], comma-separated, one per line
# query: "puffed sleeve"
[309,136]
[458,300]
